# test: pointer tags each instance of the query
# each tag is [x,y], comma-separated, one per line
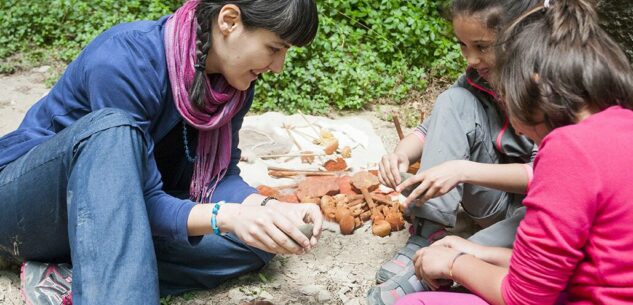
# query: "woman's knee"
[112,116]
[97,123]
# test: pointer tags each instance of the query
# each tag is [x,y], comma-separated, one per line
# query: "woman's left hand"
[434,182]
[432,264]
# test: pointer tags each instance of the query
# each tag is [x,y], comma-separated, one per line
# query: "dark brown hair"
[558,61]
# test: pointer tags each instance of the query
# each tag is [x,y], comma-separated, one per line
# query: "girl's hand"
[390,167]
[460,244]
[432,264]
[274,228]
[434,182]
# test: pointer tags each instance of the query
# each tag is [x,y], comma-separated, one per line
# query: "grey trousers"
[459,128]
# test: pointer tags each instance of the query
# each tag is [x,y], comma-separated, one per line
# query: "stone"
[312,290]
[324,296]
[265,295]
[42,69]
[354,302]
[236,295]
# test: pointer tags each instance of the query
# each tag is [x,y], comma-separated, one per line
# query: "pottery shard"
[345,185]
[335,165]
[316,187]
[365,180]
[265,190]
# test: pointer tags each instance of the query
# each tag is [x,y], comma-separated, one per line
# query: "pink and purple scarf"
[222,103]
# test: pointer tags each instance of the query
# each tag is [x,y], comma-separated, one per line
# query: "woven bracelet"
[214,220]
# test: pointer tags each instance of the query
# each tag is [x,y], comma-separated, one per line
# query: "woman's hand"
[390,167]
[434,182]
[432,264]
[306,212]
[274,227]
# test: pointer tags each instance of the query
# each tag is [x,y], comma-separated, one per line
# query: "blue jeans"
[79,197]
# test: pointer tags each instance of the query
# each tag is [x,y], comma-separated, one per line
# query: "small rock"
[265,295]
[312,290]
[323,268]
[342,294]
[236,295]
[324,296]
[354,302]
[275,265]
[42,69]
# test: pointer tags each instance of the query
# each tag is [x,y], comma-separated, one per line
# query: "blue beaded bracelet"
[214,220]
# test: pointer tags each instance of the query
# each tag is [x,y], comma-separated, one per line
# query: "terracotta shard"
[317,187]
[345,185]
[335,165]
[266,190]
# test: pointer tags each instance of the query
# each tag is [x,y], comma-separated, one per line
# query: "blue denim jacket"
[125,68]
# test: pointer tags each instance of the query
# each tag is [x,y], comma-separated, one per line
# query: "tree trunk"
[617,20]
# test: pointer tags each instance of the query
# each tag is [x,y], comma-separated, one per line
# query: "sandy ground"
[339,271]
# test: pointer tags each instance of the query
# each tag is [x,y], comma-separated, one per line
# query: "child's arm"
[439,180]
[512,178]
[407,151]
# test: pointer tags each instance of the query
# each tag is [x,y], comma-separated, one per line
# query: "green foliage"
[63,27]
[365,50]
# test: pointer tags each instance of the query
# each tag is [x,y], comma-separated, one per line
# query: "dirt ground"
[339,271]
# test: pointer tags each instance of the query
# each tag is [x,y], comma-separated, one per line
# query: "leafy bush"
[365,50]
[63,27]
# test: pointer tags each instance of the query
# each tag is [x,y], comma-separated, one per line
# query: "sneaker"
[396,287]
[424,233]
[46,284]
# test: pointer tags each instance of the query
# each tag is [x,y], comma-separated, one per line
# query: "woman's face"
[477,43]
[242,54]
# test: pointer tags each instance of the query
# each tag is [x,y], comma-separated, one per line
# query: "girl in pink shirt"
[569,87]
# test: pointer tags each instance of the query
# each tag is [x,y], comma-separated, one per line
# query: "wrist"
[227,213]
[465,170]
[451,266]
[257,200]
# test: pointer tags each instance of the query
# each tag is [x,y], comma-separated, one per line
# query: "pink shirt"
[577,235]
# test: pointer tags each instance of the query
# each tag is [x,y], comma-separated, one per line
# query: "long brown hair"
[557,61]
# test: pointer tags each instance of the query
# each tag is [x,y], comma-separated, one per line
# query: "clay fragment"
[335,165]
[347,225]
[381,228]
[307,157]
[346,152]
[317,187]
[331,147]
[342,212]
[266,190]
[395,220]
